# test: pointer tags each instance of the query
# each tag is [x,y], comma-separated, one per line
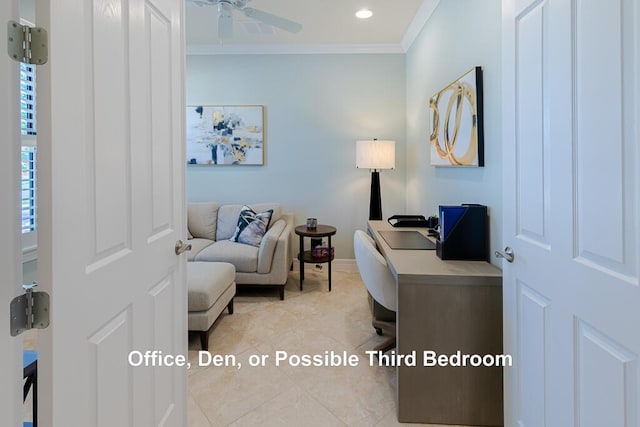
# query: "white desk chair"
[379,282]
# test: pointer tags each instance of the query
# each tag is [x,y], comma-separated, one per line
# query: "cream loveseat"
[210,227]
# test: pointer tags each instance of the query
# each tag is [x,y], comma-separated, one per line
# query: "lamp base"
[375,202]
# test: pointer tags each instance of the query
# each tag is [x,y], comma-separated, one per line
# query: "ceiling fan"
[225,18]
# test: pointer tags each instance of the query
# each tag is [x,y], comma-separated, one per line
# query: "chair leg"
[390,327]
[204,340]
[381,325]
[230,306]
[282,293]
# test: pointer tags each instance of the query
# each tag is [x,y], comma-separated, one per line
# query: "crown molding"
[284,49]
[419,21]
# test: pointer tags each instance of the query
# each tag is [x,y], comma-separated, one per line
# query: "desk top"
[425,264]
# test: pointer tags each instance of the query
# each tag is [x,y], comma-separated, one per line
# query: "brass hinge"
[29,311]
[27,44]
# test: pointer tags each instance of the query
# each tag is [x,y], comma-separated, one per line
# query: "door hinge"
[27,44]
[29,311]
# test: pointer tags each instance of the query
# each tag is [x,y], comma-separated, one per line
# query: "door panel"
[11,248]
[158,44]
[603,138]
[110,385]
[532,320]
[606,380]
[114,207]
[532,167]
[107,134]
[163,298]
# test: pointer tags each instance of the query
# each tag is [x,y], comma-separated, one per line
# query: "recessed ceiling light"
[364,14]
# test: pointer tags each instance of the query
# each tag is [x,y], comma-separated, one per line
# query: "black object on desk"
[408,221]
[406,240]
[464,233]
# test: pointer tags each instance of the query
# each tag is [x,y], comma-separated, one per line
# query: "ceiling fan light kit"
[225,16]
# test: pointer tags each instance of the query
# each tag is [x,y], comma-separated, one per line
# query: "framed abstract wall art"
[457,132]
[225,134]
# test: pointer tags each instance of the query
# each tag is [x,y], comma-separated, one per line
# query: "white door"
[572,295]
[11,247]
[111,208]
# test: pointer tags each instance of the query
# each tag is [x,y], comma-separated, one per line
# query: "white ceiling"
[327,26]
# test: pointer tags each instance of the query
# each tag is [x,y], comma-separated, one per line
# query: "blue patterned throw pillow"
[251,226]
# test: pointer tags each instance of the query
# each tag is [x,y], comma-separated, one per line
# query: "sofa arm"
[268,246]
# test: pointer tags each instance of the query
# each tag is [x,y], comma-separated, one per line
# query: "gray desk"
[446,306]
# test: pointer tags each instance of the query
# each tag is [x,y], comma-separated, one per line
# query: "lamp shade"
[376,154]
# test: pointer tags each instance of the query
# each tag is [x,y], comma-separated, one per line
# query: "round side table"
[305,256]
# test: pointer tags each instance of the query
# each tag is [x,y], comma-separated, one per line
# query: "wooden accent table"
[305,256]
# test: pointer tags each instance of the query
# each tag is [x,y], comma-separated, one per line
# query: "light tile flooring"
[308,322]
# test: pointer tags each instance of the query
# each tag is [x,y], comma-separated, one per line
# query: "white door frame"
[11,251]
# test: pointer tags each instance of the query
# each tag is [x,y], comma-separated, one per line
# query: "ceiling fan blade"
[276,21]
[198,3]
[225,21]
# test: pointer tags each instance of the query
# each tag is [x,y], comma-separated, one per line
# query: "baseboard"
[344,265]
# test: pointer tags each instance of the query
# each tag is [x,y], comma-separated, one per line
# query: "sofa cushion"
[206,282]
[228,217]
[244,257]
[268,246]
[202,219]
[251,226]
[196,246]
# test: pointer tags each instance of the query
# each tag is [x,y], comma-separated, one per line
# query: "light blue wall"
[459,35]
[316,107]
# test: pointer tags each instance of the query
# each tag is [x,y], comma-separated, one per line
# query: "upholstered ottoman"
[211,287]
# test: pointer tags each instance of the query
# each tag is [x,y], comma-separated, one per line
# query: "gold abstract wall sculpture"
[456,120]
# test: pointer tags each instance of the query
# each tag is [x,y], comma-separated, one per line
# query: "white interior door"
[11,247]
[571,296]
[111,208]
